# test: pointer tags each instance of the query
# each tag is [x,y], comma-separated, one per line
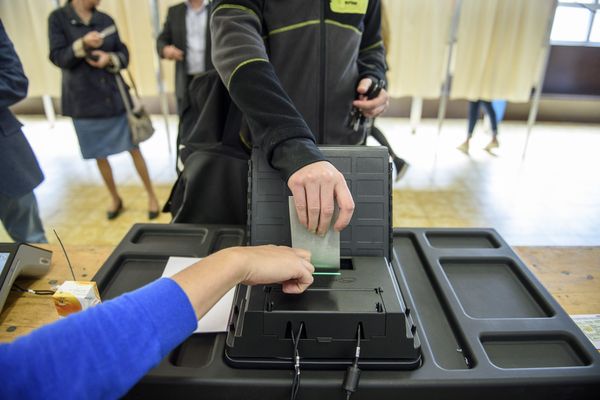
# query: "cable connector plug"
[351,380]
[352,376]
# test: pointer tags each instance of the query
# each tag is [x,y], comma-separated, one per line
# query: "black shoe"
[401,167]
[153,214]
[114,214]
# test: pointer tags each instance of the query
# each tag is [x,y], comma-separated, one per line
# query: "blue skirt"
[102,137]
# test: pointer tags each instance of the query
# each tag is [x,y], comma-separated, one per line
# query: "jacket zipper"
[321,138]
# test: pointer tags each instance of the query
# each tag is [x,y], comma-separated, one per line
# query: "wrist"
[114,63]
[234,259]
[79,48]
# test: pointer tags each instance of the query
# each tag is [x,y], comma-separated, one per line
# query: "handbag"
[140,124]
[213,181]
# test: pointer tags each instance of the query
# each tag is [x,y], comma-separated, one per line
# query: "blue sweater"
[99,353]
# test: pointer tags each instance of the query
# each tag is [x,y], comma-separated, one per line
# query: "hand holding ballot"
[210,278]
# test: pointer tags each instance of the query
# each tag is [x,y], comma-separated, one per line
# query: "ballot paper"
[108,31]
[217,318]
[590,325]
[325,251]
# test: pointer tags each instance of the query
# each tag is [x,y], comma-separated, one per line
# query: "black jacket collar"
[74,18]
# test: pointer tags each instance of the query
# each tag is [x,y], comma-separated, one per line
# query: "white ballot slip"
[217,318]
[325,251]
[109,30]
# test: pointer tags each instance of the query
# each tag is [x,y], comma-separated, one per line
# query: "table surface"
[571,275]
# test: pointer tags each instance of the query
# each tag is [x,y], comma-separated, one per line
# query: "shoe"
[401,168]
[153,214]
[115,213]
[464,147]
[492,145]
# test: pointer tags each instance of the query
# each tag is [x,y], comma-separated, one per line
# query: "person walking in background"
[473,116]
[185,38]
[87,48]
[20,172]
[399,163]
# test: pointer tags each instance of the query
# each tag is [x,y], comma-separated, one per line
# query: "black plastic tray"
[488,328]
[141,256]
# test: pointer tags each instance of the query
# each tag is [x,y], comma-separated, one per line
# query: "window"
[576,22]
[595,33]
[579,1]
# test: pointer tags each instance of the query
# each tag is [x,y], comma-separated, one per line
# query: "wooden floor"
[552,197]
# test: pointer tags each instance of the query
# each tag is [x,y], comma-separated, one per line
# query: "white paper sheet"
[325,251]
[217,318]
[590,325]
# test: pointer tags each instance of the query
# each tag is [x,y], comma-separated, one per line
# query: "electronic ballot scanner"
[20,259]
[360,301]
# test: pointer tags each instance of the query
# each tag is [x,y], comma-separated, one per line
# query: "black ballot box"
[486,327]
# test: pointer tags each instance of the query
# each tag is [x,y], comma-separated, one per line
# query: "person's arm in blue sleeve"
[13,82]
[104,351]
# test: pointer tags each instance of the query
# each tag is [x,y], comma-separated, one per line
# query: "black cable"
[41,292]
[353,372]
[66,256]
[296,360]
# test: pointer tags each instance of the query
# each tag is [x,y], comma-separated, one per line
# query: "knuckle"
[327,211]
[348,207]
[295,183]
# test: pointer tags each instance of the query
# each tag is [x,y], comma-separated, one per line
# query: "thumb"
[363,85]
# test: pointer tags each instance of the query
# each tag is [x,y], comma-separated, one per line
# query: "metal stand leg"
[416,109]
[540,82]
[49,109]
[446,86]
[164,105]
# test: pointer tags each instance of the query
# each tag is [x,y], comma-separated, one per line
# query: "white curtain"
[499,48]
[416,54]
[26,22]
[134,20]
[497,55]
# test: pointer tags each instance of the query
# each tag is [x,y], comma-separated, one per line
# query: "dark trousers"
[380,137]
[183,99]
[21,218]
[474,115]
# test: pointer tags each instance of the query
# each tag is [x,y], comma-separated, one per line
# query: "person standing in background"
[20,172]
[473,115]
[295,69]
[185,38]
[90,62]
